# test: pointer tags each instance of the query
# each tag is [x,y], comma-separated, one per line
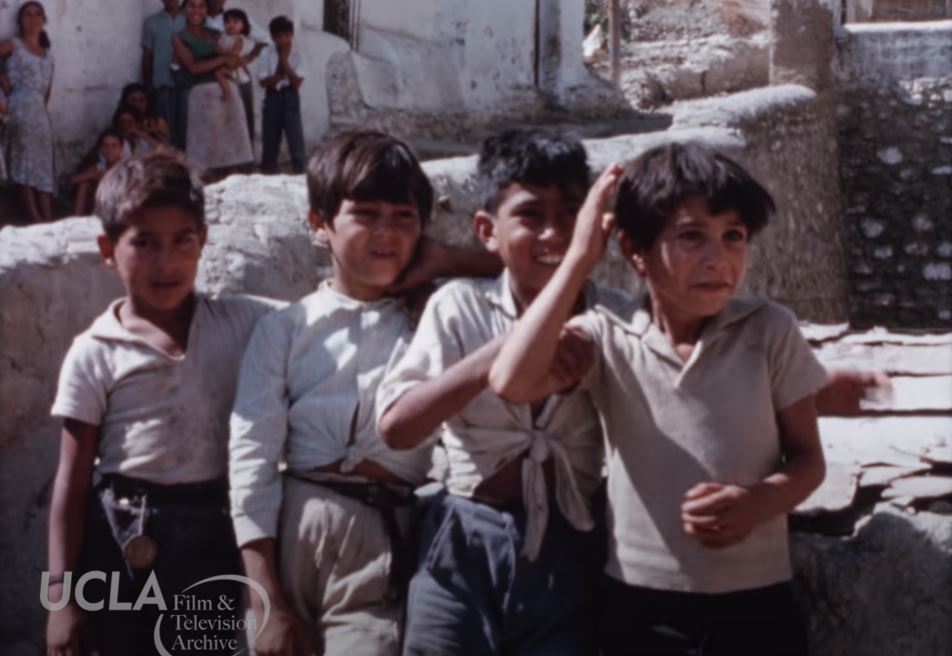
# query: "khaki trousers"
[335,561]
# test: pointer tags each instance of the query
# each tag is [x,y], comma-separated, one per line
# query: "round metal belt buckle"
[140,551]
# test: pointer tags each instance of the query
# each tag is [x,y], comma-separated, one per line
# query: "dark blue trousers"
[282,114]
[474,594]
[195,541]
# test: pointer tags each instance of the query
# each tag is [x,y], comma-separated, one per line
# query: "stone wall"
[895,114]
[861,11]
[656,20]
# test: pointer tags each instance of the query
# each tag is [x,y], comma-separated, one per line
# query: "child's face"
[139,100]
[283,41]
[372,242]
[530,232]
[111,149]
[697,262]
[157,256]
[126,123]
[234,26]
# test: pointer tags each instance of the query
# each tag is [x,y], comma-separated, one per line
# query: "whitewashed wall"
[428,56]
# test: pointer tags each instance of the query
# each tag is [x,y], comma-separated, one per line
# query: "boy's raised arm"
[523,365]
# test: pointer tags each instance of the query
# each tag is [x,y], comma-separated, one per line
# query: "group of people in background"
[196,96]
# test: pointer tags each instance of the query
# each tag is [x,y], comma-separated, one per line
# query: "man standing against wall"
[170,101]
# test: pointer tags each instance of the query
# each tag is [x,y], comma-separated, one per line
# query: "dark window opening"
[337,19]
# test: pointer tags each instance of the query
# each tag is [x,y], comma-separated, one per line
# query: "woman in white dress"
[30,133]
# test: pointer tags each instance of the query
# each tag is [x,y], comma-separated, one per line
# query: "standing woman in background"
[217,137]
[30,70]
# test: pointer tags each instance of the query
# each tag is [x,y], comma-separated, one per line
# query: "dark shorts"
[760,622]
[192,530]
[474,593]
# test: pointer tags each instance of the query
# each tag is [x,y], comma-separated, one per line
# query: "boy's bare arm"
[845,389]
[285,633]
[65,628]
[719,515]
[436,260]
[420,411]
[523,365]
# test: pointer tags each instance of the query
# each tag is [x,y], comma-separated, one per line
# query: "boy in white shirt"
[708,404]
[508,554]
[328,542]
[145,394]
[280,75]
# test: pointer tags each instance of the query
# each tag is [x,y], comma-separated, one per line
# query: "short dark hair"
[366,165]
[240,15]
[529,156]
[656,182]
[131,88]
[126,108]
[160,179]
[280,25]
[109,132]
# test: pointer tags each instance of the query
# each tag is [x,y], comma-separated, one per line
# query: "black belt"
[124,486]
[386,500]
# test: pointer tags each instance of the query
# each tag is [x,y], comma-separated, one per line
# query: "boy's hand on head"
[574,355]
[719,515]
[595,220]
[67,632]
[845,389]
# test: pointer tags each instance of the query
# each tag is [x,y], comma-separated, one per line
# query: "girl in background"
[128,121]
[153,126]
[109,146]
[237,26]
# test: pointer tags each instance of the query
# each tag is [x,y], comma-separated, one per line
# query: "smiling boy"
[508,553]
[328,541]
